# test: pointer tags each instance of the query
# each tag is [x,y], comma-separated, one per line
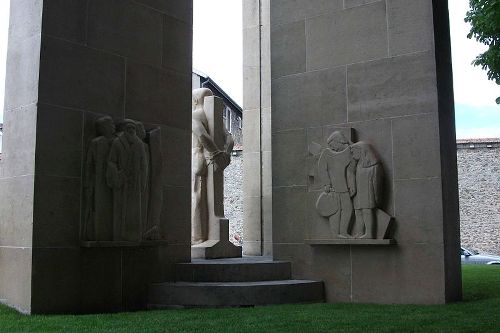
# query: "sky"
[218,53]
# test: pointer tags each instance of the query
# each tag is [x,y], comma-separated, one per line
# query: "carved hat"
[339,137]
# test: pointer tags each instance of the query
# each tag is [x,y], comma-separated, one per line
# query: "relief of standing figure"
[127,176]
[99,197]
[336,167]
[368,184]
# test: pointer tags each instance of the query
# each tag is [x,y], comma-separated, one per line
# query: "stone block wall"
[383,69]
[70,62]
[479,185]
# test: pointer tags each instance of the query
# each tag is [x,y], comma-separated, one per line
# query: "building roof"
[208,82]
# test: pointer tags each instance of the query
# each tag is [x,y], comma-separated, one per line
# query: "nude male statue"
[205,153]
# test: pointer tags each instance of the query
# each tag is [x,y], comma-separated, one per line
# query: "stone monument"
[212,147]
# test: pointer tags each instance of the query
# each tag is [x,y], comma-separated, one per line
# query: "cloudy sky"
[217,52]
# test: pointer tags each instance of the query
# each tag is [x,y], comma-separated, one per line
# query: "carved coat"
[127,175]
[99,196]
[368,181]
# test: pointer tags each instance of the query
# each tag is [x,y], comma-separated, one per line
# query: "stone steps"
[247,281]
[233,270]
[222,294]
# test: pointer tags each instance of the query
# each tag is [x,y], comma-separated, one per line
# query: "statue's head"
[364,153]
[199,96]
[338,142]
[129,129]
[105,126]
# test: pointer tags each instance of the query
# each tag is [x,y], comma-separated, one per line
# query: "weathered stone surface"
[289,49]
[78,77]
[65,19]
[410,26]
[479,185]
[346,37]
[392,87]
[310,100]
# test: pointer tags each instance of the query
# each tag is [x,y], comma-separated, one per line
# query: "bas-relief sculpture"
[122,183]
[351,176]
[212,147]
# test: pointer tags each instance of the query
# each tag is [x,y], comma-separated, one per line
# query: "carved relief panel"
[346,180]
[122,183]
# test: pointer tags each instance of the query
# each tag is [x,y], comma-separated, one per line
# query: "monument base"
[217,248]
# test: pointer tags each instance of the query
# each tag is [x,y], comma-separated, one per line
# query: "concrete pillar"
[70,62]
[383,69]
[257,194]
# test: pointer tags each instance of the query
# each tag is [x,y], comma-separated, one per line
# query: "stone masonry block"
[350,36]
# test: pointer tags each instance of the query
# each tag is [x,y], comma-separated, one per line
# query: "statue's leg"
[196,233]
[358,229]
[334,221]
[346,209]
[369,219]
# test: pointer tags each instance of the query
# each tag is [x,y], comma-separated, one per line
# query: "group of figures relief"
[122,185]
[351,175]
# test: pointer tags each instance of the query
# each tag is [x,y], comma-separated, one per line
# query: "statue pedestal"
[217,248]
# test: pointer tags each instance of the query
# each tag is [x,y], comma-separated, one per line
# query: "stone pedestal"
[219,247]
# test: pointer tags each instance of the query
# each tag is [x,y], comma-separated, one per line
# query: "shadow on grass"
[478,313]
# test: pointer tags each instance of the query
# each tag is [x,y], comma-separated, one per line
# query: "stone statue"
[368,185]
[98,196]
[127,175]
[212,147]
[336,167]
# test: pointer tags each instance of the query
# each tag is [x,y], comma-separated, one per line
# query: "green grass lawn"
[479,312]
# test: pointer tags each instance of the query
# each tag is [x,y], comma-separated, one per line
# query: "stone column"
[257,194]
[383,69]
[69,63]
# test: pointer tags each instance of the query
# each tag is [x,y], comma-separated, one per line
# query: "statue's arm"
[229,142]
[202,135]
[377,183]
[323,172]
[351,177]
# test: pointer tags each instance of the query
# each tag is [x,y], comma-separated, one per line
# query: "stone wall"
[69,63]
[233,197]
[479,185]
[381,68]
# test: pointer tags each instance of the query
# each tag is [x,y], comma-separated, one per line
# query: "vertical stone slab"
[70,63]
[17,168]
[257,193]
[381,68]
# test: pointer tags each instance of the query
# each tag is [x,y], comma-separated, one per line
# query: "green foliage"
[477,313]
[484,17]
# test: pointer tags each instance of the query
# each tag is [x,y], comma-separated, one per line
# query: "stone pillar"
[383,69]
[69,63]
[257,193]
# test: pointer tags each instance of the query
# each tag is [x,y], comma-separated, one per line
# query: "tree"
[484,17]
